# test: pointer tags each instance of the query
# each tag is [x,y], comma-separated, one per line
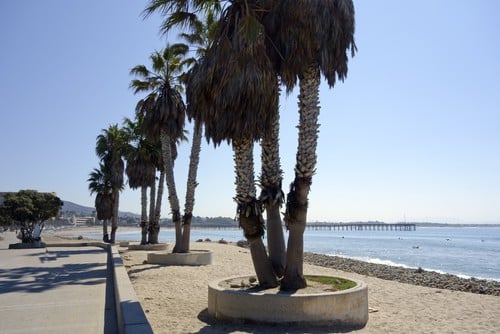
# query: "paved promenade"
[56,290]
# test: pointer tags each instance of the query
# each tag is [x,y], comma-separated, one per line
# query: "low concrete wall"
[193,258]
[341,308]
[131,316]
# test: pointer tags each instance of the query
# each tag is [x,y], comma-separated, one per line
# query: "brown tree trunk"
[144,215]
[296,207]
[114,220]
[105,235]
[250,212]
[154,228]
[296,216]
[186,234]
[194,160]
[275,238]
[152,209]
[271,195]
[252,226]
[168,165]
[176,218]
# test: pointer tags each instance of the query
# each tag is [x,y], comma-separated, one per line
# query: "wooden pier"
[361,226]
[371,226]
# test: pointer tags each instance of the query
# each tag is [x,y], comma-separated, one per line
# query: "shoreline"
[418,276]
[414,276]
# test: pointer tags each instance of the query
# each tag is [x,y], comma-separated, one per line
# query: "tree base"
[240,298]
[197,257]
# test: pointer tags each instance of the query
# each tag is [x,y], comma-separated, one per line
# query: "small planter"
[148,247]
[347,308]
[193,258]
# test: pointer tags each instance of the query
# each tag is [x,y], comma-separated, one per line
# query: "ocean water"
[462,251]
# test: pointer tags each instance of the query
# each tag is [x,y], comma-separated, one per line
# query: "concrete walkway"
[62,289]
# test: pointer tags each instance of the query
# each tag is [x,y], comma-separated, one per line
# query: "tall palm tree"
[223,90]
[164,113]
[199,39]
[141,156]
[221,93]
[308,37]
[155,193]
[110,147]
[100,184]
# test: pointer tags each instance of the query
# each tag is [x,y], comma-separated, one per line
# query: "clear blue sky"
[413,133]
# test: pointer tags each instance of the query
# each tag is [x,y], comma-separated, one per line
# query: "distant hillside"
[76,209]
[70,208]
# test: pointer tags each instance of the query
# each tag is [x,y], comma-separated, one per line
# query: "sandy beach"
[175,298]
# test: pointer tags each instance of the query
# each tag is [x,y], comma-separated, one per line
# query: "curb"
[131,318]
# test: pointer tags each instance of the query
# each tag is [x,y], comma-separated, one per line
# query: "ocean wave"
[375,261]
[395,264]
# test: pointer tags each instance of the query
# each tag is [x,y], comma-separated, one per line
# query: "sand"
[175,299]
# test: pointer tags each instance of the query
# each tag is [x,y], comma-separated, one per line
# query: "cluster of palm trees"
[245,51]
[148,145]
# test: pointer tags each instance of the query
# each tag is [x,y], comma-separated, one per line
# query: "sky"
[411,135]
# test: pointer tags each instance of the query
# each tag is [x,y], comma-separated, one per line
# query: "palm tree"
[310,37]
[141,156]
[199,38]
[155,195]
[303,39]
[110,148]
[100,184]
[221,93]
[223,90]
[164,114]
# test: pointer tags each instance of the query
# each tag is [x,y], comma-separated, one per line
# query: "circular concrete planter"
[193,258]
[148,247]
[340,308]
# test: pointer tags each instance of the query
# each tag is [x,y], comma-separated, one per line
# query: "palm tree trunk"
[152,202]
[296,207]
[144,215]
[154,228]
[172,192]
[272,196]
[105,235]
[250,211]
[194,161]
[114,220]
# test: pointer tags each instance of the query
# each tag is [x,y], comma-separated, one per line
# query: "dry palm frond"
[234,86]
[302,32]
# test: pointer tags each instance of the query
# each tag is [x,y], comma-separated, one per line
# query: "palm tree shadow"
[48,275]
[214,326]
[142,267]
[53,255]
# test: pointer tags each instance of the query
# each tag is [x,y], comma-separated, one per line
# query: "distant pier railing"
[330,226]
[362,226]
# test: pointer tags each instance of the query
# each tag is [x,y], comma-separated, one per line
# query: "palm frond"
[140,71]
